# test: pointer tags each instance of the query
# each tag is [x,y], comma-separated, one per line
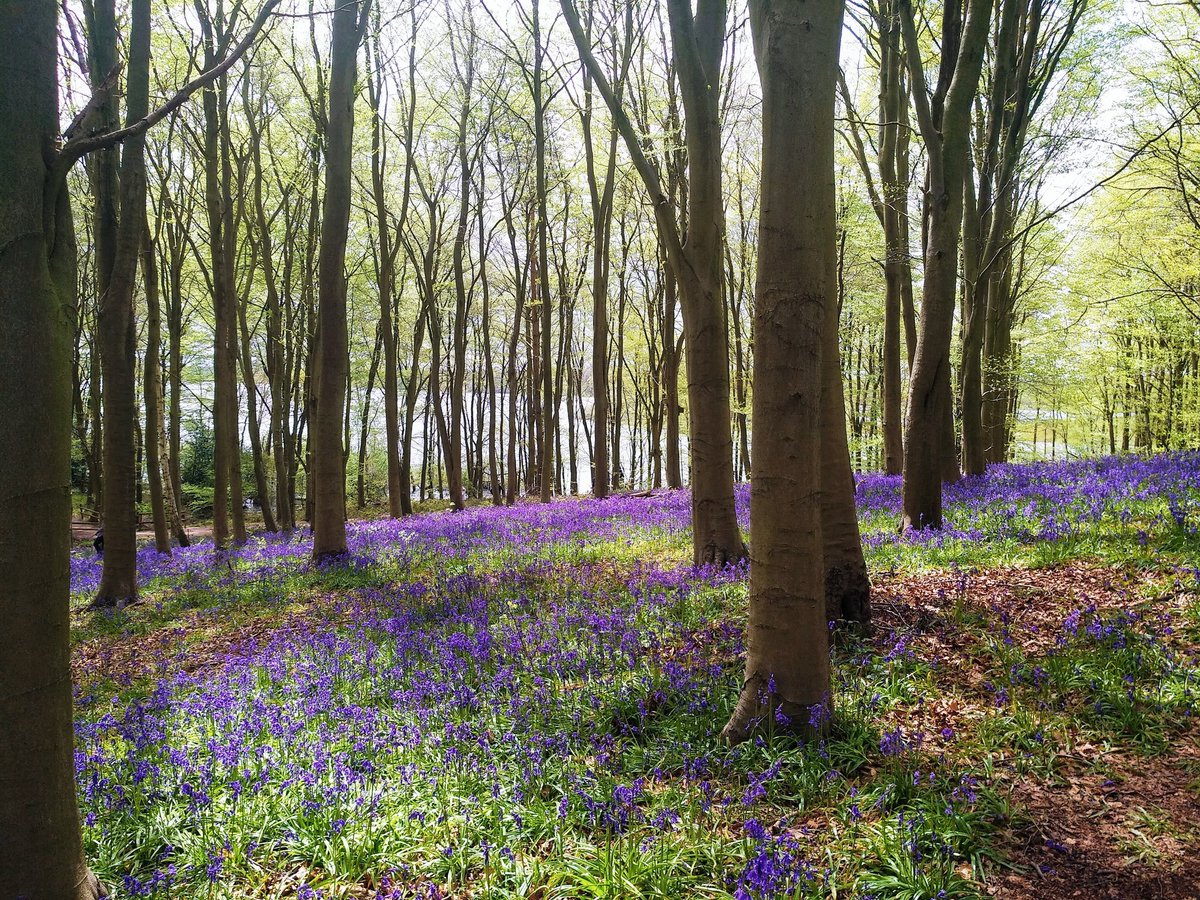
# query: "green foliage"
[198,499]
[196,462]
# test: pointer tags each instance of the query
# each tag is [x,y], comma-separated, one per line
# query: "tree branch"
[74,149]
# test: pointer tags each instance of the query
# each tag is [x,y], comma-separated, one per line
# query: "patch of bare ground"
[1031,603]
[1130,830]
[1110,823]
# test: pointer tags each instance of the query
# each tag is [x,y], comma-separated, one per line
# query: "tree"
[696,261]
[787,656]
[329,491]
[39,816]
[601,190]
[1030,44]
[889,201]
[115,320]
[944,126]
[218,202]
[43,853]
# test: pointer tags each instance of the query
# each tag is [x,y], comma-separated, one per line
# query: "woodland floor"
[1021,730]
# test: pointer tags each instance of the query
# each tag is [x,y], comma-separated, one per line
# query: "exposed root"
[759,711]
[719,557]
[109,601]
[90,887]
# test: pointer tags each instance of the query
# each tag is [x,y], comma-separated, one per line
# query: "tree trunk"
[224,384]
[365,422]
[670,370]
[787,656]
[387,334]
[927,444]
[152,392]
[698,43]
[454,440]
[697,263]
[329,519]
[39,818]
[256,451]
[115,329]
[847,585]
[894,201]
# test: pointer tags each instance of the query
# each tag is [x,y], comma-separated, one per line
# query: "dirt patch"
[1029,606]
[1119,826]
[1110,823]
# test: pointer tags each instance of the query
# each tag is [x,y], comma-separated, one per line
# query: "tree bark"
[894,187]
[697,263]
[847,585]
[946,141]
[224,380]
[116,336]
[152,392]
[387,266]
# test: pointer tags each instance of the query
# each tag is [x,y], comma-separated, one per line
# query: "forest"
[599,449]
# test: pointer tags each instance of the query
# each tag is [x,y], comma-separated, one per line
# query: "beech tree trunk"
[152,392]
[894,187]
[787,639]
[697,42]
[387,267]
[115,336]
[224,379]
[332,376]
[927,443]
[42,857]
[465,67]
[847,585]
[252,427]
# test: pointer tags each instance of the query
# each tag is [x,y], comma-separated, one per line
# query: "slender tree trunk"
[696,260]
[493,463]
[95,413]
[717,538]
[929,401]
[411,393]
[256,451]
[974,293]
[454,440]
[894,200]
[670,370]
[365,422]
[116,336]
[514,387]
[152,391]
[387,265]
[225,388]
[329,525]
